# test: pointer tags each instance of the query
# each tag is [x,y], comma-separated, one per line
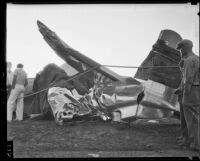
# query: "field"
[95,138]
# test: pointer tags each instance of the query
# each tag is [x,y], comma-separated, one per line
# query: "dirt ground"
[95,138]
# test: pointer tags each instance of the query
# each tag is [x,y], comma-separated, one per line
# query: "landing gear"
[117,122]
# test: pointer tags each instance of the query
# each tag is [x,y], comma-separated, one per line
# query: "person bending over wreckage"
[63,98]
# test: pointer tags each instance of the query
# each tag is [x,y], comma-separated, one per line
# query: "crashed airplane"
[94,90]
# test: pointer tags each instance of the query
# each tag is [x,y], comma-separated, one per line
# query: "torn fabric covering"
[51,76]
[163,53]
[89,78]
[100,101]
[130,99]
[64,104]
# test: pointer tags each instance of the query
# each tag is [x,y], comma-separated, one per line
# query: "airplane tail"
[163,53]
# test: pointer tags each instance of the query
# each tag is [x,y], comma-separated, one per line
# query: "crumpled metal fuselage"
[131,101]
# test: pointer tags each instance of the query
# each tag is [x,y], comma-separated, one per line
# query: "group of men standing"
[16,83]
[189,97]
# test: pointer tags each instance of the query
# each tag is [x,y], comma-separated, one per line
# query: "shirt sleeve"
[190,67]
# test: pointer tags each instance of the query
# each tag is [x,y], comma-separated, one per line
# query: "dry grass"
[45,139]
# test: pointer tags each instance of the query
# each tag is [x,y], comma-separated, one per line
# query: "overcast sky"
[115,34]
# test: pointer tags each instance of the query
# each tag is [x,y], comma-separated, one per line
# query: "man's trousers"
[15,100]
[191,105]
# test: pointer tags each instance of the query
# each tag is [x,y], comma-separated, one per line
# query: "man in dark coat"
[191,93]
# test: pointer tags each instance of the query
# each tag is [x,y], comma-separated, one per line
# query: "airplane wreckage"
[95,91]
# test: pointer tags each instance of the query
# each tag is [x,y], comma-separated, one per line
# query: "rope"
[66,81]
[164,56]
[117,66]
[97,67]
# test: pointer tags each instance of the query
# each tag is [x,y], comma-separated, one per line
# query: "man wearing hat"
[191,93]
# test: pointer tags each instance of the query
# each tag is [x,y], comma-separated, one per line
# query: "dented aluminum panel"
[151,100]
